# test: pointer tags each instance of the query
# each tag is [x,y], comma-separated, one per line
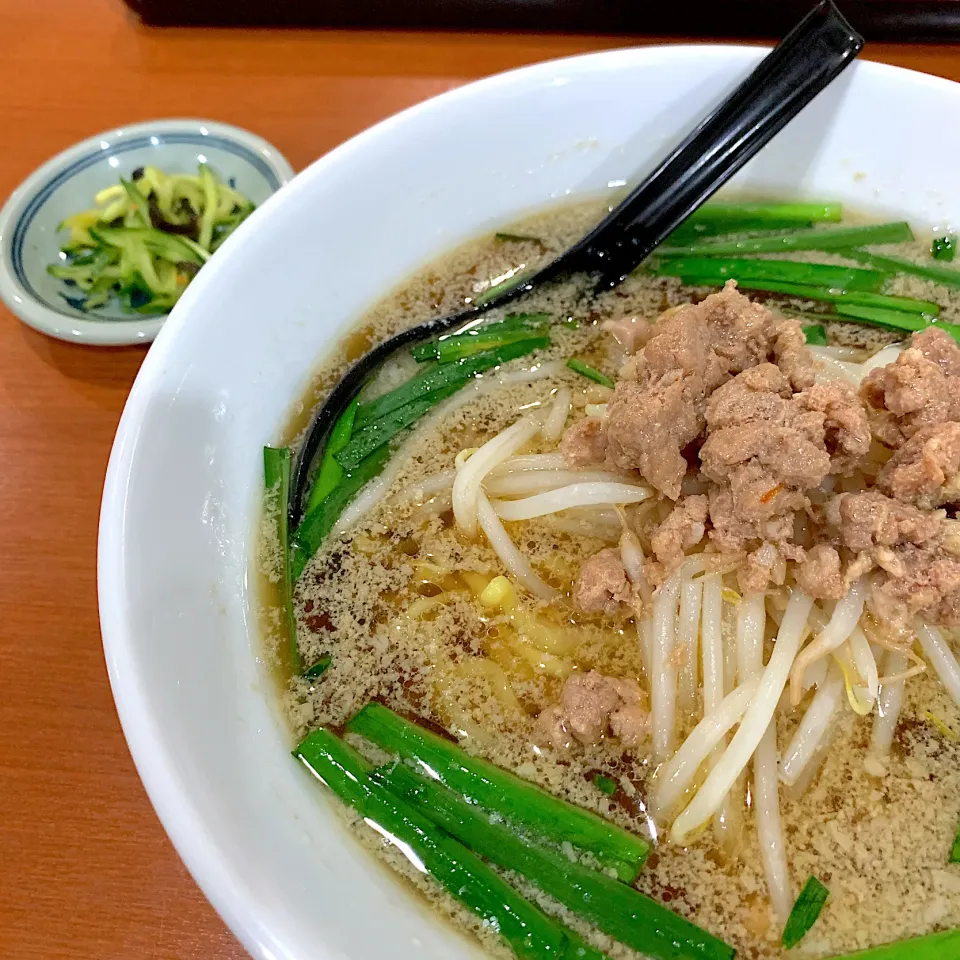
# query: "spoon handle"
[803,64]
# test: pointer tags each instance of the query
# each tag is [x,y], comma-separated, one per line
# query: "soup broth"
[412,614]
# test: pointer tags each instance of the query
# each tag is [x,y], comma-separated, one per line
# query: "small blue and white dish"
[65,185]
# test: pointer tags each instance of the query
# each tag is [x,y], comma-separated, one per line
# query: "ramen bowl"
[178,610]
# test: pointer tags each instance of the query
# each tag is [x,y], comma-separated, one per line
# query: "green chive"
[794,212]
[815,335]
[927,271]
[784,271]
[934,946]
[485,336]
[955,849]
[531,934]
[618,910]
[830,238]
[330,472]
[805,912]
[926,308]
[520,802]
[578,366]
[319,522]
[502,287]
[447,374]
[364,442]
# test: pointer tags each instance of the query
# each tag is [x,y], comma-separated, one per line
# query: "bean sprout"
[754,725]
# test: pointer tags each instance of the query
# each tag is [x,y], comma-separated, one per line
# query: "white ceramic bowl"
[182,489]
[67,183]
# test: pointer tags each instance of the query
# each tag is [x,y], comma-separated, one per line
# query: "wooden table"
[85,869]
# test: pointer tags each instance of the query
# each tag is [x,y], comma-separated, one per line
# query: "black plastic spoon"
[803,64]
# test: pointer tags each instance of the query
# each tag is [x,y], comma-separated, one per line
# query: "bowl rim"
[27,198]
[153,758]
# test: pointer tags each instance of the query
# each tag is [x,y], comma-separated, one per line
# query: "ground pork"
[820,573]
[927,583]
[846,427]
[921,388]
[766,447]
[585,443]
[658,409]
[925,470]
[602,584]
[681,531]
[648,428]
[724,383]
[862,521]
[591,707]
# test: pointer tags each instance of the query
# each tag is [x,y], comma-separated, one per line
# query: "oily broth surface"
[879,843]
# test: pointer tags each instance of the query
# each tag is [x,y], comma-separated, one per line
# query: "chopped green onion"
[330,472]
[929,271]
[276,476]
[530,933]
[578,366]
[605,784]
[934,946]
[943,248]
[319,522]
[805,912]
[518,801]
[615,908]
[955,849]
[830,238]
[815,335]
[785,271]
[312,673]
[446,374]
